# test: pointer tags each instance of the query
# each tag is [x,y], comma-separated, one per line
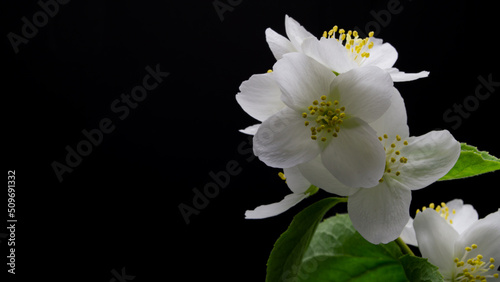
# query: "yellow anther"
[454,211]
[304,115]
[342,37]
[381,180]
[335,28]
[313,137]
[268,71]
[468,249]
[424,208]
[341,31]
[393,160]
[456,260]
[474,246]
[403,160]
[324,34]
[380,138]
[418,211]
[397,153]
[323,97]
[431,205]
[355,33]
[312,112]
[393,145]
[398,137]
[451,221]
[398,173]
[330,33]
[342,109]
[492,260]
[371,33]
[495,275]
[334,134]
[281,175]
[385,136]
[315,102]
[342,115]
[306,123]
[336,102]
[405,143]
[492,266]
[323,139]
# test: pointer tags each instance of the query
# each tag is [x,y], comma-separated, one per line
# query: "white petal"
[319,176]
[364,92]
[408,234]
[464,215]
[330,53]
[260,96]
[251,130]
[295,180]
[302,80]
[383,56]
[356,157]
[430,157]
[380,213]
[436,239]
[295,32]
[265,211]
[278,44]
[485,233]
[283,141]
[399,76]
[393,121]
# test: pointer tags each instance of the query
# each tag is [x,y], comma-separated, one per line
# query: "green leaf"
[420,270]
[472,162]
[286,256]
[337,252]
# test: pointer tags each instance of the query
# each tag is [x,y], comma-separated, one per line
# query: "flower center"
[324,118]
[393,158]
[442,209]
[473,268]
[357,48]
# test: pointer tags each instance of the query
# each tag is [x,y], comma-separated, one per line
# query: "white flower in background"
[300,187]
[339,52]
[328,115]
[458,215]
[470,255]
[260,97]
[380,213]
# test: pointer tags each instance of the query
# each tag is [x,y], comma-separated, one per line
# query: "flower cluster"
[332,119]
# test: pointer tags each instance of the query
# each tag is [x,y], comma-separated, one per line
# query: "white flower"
[340,54]
[300,187]
[260,97]
[458,215]
[472,255]
[380,213]
[328,115]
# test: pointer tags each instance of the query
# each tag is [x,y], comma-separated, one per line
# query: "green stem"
[404,248]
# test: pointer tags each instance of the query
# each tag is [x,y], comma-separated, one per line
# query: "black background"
[119,207]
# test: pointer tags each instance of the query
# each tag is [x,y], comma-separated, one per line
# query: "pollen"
[357,47]
[324,118]
[282,175]
[392,147]
[473,267]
